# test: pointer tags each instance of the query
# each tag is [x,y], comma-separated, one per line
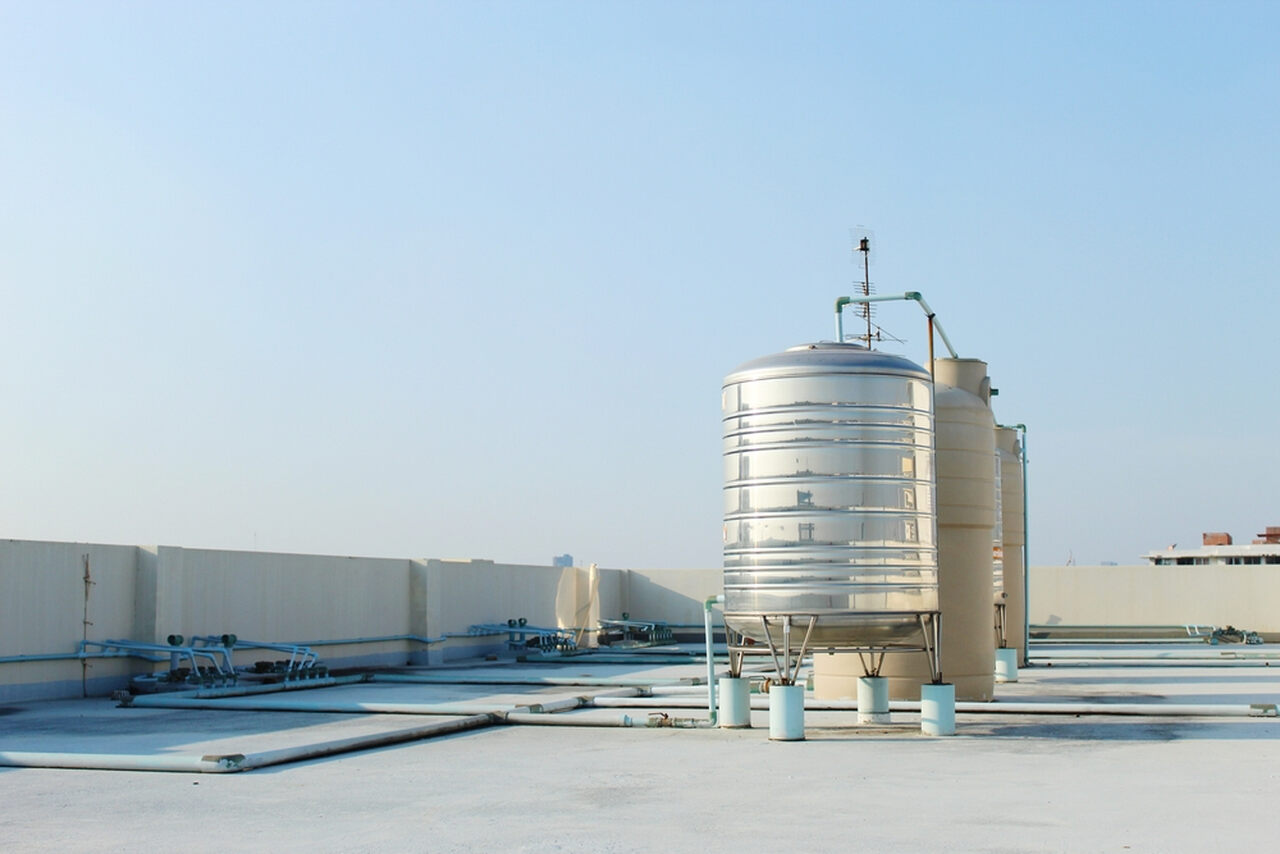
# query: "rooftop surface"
[1004,782]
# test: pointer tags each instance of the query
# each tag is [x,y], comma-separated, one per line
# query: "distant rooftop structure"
[1218,549]
[562,560]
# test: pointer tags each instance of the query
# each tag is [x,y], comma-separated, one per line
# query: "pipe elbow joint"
[841,302]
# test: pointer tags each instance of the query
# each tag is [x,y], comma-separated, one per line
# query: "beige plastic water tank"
[965,461]
[997,539]
[1014,537]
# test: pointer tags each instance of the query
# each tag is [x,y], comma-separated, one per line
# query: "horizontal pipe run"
[496,679]
[627,658]
[233,762]
[111,762]
[1159,710]
[380,639]
[1214,655]
[535,719]
[365,742]
[355,707]
[761,703]
[1189,644]
[677,690]
[1137,663]
[333,707]
[77,656]
[651,722]
[251,689]
[915,296]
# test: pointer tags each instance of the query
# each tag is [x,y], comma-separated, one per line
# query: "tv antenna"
[862,239]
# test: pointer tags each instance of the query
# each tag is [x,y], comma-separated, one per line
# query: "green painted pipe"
[912,296]
[707,607]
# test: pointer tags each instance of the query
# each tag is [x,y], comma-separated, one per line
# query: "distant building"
[1218,549]
[562,560]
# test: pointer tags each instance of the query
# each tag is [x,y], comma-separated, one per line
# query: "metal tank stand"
[786,698]
[1002,636]
[786,657]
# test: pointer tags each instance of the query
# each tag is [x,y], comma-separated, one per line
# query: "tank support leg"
[735,656]
[787,672]
[804,647]
[871,666]
[931,629]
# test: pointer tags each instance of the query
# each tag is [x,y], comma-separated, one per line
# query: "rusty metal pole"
[931,345]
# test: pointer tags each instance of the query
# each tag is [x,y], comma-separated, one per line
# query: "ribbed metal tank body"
[1014,536]
[829,493]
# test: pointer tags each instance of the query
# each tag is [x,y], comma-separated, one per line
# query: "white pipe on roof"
[233,762]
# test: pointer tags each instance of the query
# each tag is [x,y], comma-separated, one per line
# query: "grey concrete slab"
[1003,783]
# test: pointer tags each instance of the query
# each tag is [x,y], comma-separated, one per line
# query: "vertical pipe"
[931,345]
[84,637]
[711,660]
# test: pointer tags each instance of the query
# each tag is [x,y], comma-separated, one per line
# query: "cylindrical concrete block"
[1007,665]
[873,700]
[938,709]
[735,702]
[786,712]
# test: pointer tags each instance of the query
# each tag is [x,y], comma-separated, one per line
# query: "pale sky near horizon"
[463,279]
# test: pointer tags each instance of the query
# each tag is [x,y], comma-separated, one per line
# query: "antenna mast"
[864,246]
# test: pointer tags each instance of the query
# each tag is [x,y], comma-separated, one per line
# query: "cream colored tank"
[1015,580]
[965,464]
[997,540]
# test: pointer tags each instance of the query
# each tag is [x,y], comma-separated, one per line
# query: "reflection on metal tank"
[829,493]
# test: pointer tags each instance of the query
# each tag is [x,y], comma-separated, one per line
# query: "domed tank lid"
[827,357]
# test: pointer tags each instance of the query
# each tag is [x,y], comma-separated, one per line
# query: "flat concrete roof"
[1004,782]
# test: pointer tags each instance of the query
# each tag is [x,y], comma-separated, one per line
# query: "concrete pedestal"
[735,702]
[786,713]
[938,709]
[873,700]
[1007,665]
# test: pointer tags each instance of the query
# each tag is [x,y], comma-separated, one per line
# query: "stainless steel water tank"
[829,493]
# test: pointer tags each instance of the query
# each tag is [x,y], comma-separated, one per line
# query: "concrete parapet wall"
[48,605]
[672,595]
[1247,597]
[146,593]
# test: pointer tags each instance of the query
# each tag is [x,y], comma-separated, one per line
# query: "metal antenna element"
[862,243]
[864,246]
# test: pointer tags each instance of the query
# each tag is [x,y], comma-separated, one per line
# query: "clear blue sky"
[463,280]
